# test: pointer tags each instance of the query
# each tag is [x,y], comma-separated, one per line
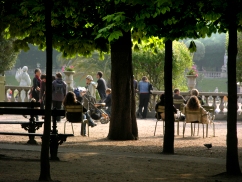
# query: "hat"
[89,77]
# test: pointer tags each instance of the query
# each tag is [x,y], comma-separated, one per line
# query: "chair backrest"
[160,109]
[178,102]
[209,109]
[192,116]
[74,113]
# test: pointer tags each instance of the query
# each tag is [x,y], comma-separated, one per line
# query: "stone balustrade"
[19,93]
[213,74]
[218,100]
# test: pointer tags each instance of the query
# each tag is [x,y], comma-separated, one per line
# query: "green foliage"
[89,65]
[197,48]
[149,61]
[8,55]
[239,58]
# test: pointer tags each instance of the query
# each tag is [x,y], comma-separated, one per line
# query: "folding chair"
[162,109]
[178,102]
[74,114]
[211,111]
[187,120]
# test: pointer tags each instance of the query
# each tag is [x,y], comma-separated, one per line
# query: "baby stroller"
[95,110]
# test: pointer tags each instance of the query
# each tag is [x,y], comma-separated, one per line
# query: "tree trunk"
[232,160]
[168,143]
[123,125]
[44,158]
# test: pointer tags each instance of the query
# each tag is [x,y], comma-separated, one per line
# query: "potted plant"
[192,74]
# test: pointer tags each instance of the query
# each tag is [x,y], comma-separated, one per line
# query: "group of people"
[60,97]
[193,103]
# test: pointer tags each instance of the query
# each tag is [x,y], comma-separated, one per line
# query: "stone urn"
[69,80]
[191,81]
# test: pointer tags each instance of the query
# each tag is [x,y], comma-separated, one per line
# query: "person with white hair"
[24,80]
[91,86]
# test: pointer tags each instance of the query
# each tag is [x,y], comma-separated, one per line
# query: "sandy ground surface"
[96,158]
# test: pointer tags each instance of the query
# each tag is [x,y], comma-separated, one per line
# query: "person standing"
[42,92]
[58,93]
[101,85]
[144,88]
[91,86]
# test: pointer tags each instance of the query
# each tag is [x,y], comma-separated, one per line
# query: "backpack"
[59,87]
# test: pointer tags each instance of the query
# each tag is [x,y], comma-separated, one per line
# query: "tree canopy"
[8,55]
[150,63]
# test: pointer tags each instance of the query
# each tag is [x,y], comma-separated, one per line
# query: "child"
[108,101]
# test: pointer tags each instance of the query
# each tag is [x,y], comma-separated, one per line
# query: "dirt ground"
[96,158]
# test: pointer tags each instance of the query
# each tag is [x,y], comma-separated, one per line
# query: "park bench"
[27,108]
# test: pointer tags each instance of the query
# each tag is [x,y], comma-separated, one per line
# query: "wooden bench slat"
[32,134]
[19,122]
[25,111]
[19,104]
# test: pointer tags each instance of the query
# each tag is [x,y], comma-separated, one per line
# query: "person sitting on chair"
[194,105]
[108,101]
[162,103]
[179,97]
[70,99]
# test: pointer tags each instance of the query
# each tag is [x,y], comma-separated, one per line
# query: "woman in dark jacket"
[70,99]
[162,103]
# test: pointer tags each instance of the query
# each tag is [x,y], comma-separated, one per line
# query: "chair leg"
[178,128]
[155,127]
[203,130]
[87,129]
[191,130]
[206,130]
[72,128]
[184,126]
[197,129]
[65,127]
[213,129]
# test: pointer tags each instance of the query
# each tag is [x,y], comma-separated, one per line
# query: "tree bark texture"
[123,124]
[44,158]
[168,143]
[232,160]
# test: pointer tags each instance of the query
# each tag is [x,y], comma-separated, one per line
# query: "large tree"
[8,55]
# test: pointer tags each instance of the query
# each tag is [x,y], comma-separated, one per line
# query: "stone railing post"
[221,106]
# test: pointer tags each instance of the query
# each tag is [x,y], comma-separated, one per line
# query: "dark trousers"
[57,105]
[102,95]
[143,103]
